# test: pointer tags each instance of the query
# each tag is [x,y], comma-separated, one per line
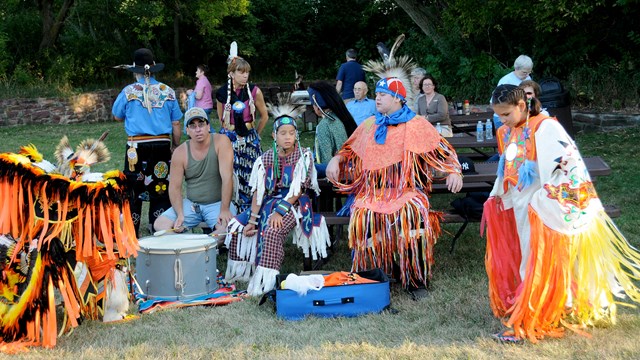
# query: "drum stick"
[172,230]
[132,276]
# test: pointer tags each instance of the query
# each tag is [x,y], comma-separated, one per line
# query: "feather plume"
[36,158]
[31,152]
[63,154]
[123,66]
[233,52]
[384,52]
[285,107]
[91,151]
[396,45]
[392,66]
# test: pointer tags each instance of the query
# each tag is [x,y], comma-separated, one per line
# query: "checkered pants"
[270,244]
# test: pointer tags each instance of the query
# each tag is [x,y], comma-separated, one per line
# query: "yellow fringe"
[570,281]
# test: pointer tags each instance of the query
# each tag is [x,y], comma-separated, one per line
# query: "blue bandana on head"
[316,98]
[392,86]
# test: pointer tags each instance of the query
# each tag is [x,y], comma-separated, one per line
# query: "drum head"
[183,242]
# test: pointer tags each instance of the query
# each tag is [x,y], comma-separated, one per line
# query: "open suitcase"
[348,300]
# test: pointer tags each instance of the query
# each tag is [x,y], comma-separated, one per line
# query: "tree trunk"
[51,27]
[421,16]
[176,38]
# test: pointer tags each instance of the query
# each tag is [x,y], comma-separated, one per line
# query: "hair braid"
[511,94]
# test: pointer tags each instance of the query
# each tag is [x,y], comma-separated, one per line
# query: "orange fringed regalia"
[48,224]
[391,221]
[555,260]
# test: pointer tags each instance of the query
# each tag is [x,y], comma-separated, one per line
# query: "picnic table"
[463,140]
[483,180]
[467,123]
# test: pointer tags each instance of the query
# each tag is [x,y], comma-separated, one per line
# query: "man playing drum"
[205,162]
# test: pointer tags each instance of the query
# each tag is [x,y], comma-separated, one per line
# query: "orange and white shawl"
[554,258]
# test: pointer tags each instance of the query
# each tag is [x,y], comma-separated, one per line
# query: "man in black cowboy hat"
[151,116]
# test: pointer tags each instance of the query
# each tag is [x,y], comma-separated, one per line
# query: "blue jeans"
[194,214]
[211,128]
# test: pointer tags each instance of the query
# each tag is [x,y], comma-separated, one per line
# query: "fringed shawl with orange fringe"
[391,219]
[575,265]
[42,218]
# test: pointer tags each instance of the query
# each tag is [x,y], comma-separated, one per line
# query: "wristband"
[280,211]
[253,222]
[255,216]
[284,205]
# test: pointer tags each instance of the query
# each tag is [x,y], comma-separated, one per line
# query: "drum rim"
[184,249]
[176,252]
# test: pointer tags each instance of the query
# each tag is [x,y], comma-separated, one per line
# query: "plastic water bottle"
[488,129]
[480,131]
[438,128]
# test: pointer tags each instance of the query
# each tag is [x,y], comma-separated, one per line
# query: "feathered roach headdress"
[283,114]
[394,67]
[89,152]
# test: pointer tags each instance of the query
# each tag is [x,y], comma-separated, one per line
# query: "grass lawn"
[454,322]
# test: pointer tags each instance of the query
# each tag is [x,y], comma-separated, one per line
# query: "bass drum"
[177,266]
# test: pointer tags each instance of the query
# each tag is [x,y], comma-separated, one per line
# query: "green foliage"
[210,14]
[5,59]
[24,74]
[467,46]
[147,17]
[613,85]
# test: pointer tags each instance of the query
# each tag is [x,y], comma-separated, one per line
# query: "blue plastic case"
[332,301]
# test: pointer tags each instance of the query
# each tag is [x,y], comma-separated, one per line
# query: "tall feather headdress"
[393,66]
[233,52]
[285,108]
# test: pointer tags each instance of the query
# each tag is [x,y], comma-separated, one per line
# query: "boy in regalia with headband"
[279,181]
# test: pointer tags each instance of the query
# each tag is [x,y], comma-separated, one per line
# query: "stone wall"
[88,107]
[85,108]
[96,107]
[589,122]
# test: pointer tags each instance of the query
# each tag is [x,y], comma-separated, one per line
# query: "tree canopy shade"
[467,45]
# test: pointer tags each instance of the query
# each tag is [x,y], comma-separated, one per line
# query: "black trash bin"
[557,101]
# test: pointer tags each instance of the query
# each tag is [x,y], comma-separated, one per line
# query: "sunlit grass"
[454,322]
